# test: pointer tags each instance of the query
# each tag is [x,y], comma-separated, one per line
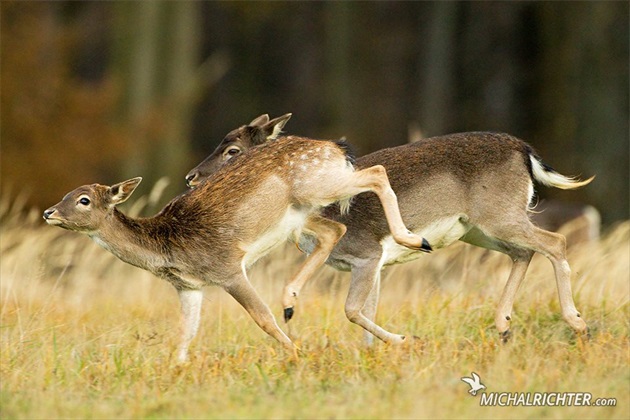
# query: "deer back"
[435,177]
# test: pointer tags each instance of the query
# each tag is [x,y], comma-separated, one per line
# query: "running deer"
[473,187]
[210,235]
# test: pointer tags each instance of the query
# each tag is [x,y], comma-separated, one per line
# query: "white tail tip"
[551,178]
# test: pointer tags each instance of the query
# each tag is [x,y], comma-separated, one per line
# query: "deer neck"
[132,241]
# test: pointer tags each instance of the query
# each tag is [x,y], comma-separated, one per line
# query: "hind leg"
[375,179]
[520,262]
[328,233]
[520,241]
[553,246]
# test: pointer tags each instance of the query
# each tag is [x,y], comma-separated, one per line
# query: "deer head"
[257,132]
[84,208]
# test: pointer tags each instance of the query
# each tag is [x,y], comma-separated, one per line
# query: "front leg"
[191,312]
[327,233]
[364,279]
[241,290]
[371,305]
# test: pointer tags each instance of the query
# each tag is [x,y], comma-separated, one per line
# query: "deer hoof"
[288,314]
[505,336]
[412,240]
[426,246]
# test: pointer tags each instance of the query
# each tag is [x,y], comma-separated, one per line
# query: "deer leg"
[553,246]
[328,233]
[191,312]
[521,258]
[369,310]
[503,315]
[245,294]
[363,281]
[375,179]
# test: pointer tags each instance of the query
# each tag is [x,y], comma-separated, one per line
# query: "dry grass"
[84,335]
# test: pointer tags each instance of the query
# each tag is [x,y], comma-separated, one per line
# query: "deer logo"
[475,384]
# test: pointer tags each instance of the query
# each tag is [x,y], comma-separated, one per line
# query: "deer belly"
[289,225]
[440,234]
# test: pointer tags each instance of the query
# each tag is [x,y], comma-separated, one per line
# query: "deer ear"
[263,119]
[273,128]
[119,193]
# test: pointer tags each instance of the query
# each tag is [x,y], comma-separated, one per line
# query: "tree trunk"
[155,57]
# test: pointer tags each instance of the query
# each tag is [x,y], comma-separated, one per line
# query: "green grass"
[84,335]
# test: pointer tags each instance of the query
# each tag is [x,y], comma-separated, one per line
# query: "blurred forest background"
[102,91]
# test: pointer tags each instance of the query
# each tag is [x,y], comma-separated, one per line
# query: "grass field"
[84,335]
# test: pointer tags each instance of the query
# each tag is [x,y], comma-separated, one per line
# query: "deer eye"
[233,151]
[84,201]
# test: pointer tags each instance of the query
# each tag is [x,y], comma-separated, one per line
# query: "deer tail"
[548,176]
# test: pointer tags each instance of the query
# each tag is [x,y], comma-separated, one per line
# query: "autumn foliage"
[57,130]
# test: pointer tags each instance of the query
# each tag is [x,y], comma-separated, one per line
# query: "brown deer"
[473,187]
[210,235]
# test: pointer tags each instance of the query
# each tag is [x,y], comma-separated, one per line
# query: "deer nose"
[190,179]
[49,213]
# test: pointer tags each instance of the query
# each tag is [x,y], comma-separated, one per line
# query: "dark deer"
[473,187]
